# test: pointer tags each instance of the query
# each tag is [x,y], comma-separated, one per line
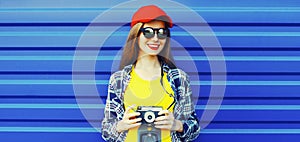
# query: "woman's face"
[151,46]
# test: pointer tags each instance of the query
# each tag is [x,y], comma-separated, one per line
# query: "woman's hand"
[168,122]
[129,120]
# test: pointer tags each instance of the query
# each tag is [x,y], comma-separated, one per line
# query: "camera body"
[147,132]
[148,113]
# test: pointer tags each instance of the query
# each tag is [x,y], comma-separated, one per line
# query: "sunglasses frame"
[155,30]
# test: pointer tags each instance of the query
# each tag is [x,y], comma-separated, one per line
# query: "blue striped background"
[259,38]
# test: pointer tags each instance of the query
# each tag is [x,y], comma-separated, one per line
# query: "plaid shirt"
[183,110]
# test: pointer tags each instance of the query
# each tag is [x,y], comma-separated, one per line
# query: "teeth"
[153,45]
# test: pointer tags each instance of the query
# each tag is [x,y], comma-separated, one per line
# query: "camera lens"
[149,117]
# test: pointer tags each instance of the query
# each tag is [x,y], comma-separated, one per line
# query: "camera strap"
[161,82]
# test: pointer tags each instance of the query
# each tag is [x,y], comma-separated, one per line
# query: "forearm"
[119,129]
[190,128]
[178,126]
[109,130]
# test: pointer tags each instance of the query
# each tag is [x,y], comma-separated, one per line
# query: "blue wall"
[259,39]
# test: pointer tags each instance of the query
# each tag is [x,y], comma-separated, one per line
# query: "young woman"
[148,76]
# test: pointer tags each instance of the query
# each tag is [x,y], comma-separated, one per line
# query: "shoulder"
[115,76]
[178,74]
[175,73]
[119,75]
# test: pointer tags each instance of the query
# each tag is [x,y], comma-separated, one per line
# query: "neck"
[147,62]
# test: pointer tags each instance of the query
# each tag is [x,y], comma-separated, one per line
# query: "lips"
[153,46]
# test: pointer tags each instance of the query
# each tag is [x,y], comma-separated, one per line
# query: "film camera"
[147,132]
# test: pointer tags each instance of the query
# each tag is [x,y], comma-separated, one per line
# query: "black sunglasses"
[149,32]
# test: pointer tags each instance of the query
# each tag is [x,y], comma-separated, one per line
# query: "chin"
[153,54]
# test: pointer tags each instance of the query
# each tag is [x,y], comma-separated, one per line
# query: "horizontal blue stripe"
[179,58]
[204,131]
[84,120]
[71,96]
[49,129]
[239,58]
[250,131]
[105,66]
[101,106]
[52,106]
[211,24]
[197,9]
[251,83]
[248,107]
[67,120]
[61,82]
[205,90]
[189,3]
[181,53]
[185,41]
[173,48]
[105,82]
[240,34]
[40,99]
[270,73]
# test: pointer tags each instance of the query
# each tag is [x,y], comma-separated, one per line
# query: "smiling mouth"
[153,46]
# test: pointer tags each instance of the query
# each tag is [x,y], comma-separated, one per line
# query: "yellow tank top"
[148,93]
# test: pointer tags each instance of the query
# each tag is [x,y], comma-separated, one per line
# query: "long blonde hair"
[131,49]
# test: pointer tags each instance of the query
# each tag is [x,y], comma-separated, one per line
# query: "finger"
[167,127]
[166,112]
[163,122]
[161,118]
[132,121]
[130,108]
[134,114]
[127,111]
[134,125]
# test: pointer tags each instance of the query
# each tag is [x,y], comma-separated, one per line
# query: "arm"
[187,115]
[113,113]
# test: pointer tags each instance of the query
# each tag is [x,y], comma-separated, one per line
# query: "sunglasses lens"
[162,33]
[148,32]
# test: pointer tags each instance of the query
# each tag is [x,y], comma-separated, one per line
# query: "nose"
[155,38]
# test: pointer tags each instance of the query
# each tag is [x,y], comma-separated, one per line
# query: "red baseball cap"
[148,13]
